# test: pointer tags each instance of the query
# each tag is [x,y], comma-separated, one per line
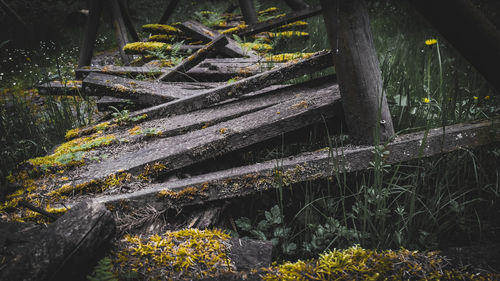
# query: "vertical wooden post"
[128,22]
[470,32]
[358,71]
[248,11]
[120,30]
[168,12]
[87,46]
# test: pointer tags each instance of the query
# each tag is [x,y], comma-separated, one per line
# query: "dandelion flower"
[426,100]
[487,97]
[475,98]
[431,42]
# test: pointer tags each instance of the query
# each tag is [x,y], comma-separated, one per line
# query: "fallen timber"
[242,181]
[142,92]
[199,31]
[289,18]
[181,124]
[180,70]
[183,150]
[259,81]
[210,70]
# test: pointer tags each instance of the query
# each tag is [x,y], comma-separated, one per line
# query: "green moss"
[184,254]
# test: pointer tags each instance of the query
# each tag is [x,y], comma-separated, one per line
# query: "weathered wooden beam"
[87,46]
[470,32]
[201,32]
[207,98]
[180,70]
[142,92]
[67,249]
[210,70]
[241,181]
[168,11]
[128,21]
[106,103]
[120,29]
[184,150]
[58,88]
[248,11]
[366,111]
[291,17]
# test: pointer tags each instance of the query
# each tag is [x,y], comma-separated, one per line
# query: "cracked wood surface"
[241,181]
[318,61]
[183,150]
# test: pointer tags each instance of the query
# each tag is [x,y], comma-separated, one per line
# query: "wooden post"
[180,70]
[128,22]
[120,30]
[87,46]
[464,26]
[168,12]
[358,71]
[248,11]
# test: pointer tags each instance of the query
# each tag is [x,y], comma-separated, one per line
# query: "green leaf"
[244,223]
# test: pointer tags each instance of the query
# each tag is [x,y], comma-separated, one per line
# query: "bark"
[366,111]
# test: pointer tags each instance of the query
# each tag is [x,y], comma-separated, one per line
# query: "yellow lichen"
[151,171]
[160,28]
[288,57]
[287,34]
[235,29]
[190,253]
[143,47]
[137,130]
[257,46]
[299,24]
[222,130]
[90,186]
[188,193]
[356,263]
[162,38]
[268,11]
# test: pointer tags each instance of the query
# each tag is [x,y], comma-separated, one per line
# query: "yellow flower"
[487,97]
[475,98]
[426,100]
[430,42]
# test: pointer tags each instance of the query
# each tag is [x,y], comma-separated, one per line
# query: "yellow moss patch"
[160,28]
[222,130]
[288,57]
[235,29]
[188,193]
[143,47]
[73,133]
[162,38]
[137,130]
[186,254]
[287,34]
[359,264]
[257,46]
[296,24]
[71,153]
[268,11]
[90,186]
[151,171]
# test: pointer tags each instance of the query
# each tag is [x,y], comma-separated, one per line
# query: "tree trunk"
[358,72]
[87,47]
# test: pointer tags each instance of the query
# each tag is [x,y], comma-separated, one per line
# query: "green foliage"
[103,271]
[173,55]
[210,18]
[271,228]
[123,117]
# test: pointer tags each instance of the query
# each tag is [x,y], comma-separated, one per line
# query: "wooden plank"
[366,111]
[58,88]
[210,70]
[144,47]
[193,147]
[105,103]
[241,181]
[470,32]
[87,46]
[128,21]
[180,70]
[120,29]
[319,61]
[168,11]
[201,32]
[291,17]
[248,10]
[142,92]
